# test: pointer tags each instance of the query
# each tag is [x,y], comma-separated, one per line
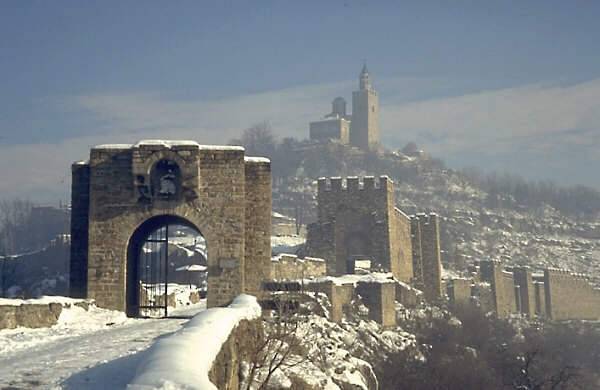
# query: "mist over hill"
[484,215]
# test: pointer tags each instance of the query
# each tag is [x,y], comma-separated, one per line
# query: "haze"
[504,86]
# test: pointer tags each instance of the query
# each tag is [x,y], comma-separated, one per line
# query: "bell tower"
[364,128]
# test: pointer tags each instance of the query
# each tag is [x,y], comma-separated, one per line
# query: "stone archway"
[356,246]
[150,270]
[123,190]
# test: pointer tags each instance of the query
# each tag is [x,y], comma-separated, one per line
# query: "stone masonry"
[558,294]
[359,130]
[427,260]
[569,295]
[290,267]
[358,221]
[126,191]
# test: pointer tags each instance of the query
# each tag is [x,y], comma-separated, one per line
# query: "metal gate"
[153,264]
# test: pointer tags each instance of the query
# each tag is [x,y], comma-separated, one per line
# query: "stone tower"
[359,221]
[125,192]
[364,128]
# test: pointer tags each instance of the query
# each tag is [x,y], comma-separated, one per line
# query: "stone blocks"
[358,221]
[131,188]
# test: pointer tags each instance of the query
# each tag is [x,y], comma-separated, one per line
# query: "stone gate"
[125,191]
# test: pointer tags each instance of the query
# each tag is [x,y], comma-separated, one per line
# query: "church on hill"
[359,129]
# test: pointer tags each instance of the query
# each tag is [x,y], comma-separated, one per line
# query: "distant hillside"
[483,216]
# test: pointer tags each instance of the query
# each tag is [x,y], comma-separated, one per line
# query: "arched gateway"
[125,192]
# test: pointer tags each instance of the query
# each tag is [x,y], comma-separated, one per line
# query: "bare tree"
[259,140]
[14,215]
[287,341]
[530,372]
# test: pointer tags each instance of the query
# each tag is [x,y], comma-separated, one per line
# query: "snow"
[192,267]
[169,144]
[44,300]
[221,147]
[166,143]
[184,359]
[95,349]
[257,159]
[275,214]
[286,244]
[113,146]
[373,277]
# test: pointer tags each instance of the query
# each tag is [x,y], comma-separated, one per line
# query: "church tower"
[364,128]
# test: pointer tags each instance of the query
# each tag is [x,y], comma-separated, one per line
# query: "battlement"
[353,183]
[566,276]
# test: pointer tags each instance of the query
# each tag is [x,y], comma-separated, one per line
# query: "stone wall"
[540,298]
[207,188]
[408,295]
[401,246]
[33,315]
[239,347]
[459,290]
[379,298]
[290,267]
[359,221]
[428,262]
[561,295]
[340,296]
[524,280]
[330,129]
[503,287]
[257,223]
[570,296]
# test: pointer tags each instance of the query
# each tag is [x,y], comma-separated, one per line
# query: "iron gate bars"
[153,266]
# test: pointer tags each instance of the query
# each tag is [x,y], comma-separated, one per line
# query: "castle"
[361,129]
[359,221]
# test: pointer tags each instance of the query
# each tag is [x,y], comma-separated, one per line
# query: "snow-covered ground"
[286,244]
[98,349]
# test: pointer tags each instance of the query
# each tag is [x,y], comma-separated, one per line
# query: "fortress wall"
[506,300]
[257,240]
[524,280]
[290,267]
[431,256]
[321,244]
[570,296]
[379,298]
[540,298]
[502,285]
[407,295]
[339,297]
[415,231]
[459,291]
[401,246]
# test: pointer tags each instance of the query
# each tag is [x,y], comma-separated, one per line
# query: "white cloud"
[540,119]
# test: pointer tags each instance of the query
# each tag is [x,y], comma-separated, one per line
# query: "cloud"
[540,119]
[555,128]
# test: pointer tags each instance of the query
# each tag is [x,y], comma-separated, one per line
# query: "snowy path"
[76,356]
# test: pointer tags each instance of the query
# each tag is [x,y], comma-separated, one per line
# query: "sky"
[499,85]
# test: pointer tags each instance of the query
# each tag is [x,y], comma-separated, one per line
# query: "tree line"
[297,161]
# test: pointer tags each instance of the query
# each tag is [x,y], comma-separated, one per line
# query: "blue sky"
[500,85]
